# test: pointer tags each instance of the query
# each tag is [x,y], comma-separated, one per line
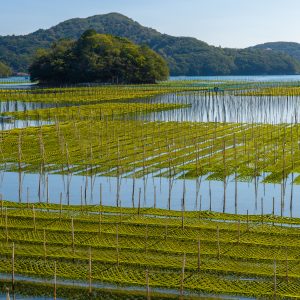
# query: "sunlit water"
[7,123]
[247,197]
[105,286]
[220,107]
[254,78]
[252,198]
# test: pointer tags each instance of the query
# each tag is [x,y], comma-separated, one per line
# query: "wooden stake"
[182,276]
[100,210]
[117,246]
[133,191]
[73,235]
[7,294]
[27,197]
[166,228]
[33,212]
[54,294]
[1,208]
[45,248]
[262,210]
[90,270]
[247,220]
[81,197]
[273,209]
[13,268]
[239,231]
[60,202]
[47,189]
[101,195]
[286,266]
[146,239]
[199,258]
[218,241]
[139,204]
[147,284]
[275,279]
[154,196]
[6,224]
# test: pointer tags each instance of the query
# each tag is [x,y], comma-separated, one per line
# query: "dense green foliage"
[185,56]
[5,71]
[292,49]
[98,57]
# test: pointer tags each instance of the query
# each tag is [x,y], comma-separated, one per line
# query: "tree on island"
[98,58]
[5,71]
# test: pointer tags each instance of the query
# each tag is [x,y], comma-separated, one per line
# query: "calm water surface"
[254,197]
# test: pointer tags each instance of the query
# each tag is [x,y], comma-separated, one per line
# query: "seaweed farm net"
[133,186]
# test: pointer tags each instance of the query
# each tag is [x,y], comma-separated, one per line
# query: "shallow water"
[15,106]
[254,78]
[21,297]
[256,198]
[212,107]
[251,197]
[106,286]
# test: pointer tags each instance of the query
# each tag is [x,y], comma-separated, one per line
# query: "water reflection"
[14,106]
[241,78]
[200,194]
[222,107]
[8,122]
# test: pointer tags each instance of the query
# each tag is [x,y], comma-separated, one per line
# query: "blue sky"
[229,23]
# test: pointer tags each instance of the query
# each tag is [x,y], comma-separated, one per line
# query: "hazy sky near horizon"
[229,23]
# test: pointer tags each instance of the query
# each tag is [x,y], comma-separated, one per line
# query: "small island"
[98,58]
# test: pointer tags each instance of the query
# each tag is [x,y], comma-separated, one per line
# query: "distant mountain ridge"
[290,48]
[184,55]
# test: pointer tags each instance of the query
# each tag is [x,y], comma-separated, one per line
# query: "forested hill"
[185,56]
[290,48]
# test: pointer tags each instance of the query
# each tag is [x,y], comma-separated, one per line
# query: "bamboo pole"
[45,246]
[90,270]
[73,235]
[147,285]
[139,203]
[286,267]
[100,211]
[154,196]
[55,283]
[100,195]
[166,228]
[182,276]
[273,209]
[247,220]
[275,280]
[133,191]
[33,213]
[60,206]
[199,258]
[117,243]
[81,197]
[7,294]
[13,268]
[146,239]
[6,224]
[218,241]
[47,189]
[262,210]
[239,231]
[27,197]
[1,208]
